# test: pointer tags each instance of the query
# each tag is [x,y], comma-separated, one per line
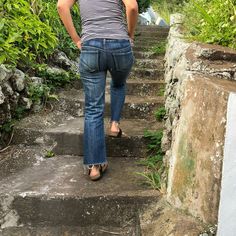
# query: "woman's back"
[102,19]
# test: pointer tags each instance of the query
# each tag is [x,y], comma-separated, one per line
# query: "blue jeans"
[97,57]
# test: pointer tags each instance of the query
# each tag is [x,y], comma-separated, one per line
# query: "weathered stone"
[35,80]
[5,73]
[197,149]
[8,91]
[55,70]
[61,59]
[194,135]
[2,97]
[27,102]
[18,80]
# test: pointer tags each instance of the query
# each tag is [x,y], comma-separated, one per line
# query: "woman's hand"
[131,41]
[78,44]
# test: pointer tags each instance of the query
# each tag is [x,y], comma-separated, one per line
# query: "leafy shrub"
[211,21]
[154,162]
[143,5]
[160,113]
[23,36]
[49,15]
[31,30]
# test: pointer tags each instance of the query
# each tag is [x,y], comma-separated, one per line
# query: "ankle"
[114,126]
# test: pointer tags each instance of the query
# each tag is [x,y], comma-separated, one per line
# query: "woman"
[105,46]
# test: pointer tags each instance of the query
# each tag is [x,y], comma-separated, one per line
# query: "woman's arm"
[63,7]
[131,7]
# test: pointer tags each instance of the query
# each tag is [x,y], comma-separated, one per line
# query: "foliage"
[154,162]
[166,7]
[23,37]
[49,15]
[49,154]
[160,113]
[211,21]
[161,92]
[143,5]
[159,48]
[30,31]
[38,92]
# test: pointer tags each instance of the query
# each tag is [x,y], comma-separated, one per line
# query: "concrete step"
[145,87]
[144,43]
[55,192]
[134,87]
[150,40]
[151,33]
[149,63]
[71,231]
[151,28]
[72,102]
[65,136]
[151,74]
[147,55]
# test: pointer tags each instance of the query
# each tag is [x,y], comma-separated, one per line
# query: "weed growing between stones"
[159,49]
[160,113]
[161,92]
[49,154]
[154,162]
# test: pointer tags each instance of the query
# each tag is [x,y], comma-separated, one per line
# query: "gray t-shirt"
[102,19]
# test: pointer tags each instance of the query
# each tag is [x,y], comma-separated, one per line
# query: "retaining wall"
[199,78]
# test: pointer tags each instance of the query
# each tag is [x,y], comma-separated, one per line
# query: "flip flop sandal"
[104,168]
[101,168]
[115,134]
[97,176]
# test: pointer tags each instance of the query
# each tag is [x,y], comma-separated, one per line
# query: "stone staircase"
[52,196]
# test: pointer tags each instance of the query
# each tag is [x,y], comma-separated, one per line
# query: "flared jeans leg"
[94,137]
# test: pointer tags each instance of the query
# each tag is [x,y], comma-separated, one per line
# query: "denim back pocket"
[123,60]
[89,61]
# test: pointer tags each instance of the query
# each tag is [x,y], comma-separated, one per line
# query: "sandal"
[101,170]
[115,134]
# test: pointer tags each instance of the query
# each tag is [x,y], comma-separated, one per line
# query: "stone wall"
[14,89]
[199,79]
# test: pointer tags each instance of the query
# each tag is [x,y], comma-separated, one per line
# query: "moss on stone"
[185,168]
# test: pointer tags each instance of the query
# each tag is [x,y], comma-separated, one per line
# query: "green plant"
[23,36]
[165,7]
[49,15]
[161,92]
[30,31]
[38,92]
[160,113]
[211,21]
[154,141]
[49,154]
[154,162]
[159,49]
[143,5]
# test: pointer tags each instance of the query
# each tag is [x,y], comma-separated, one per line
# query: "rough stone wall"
[199,78]
[14,92]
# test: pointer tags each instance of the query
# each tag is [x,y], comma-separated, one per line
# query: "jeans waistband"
[107,43]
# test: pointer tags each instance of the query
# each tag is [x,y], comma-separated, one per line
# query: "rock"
[36,80]
[55,70]
[2,97]
[18,80]
[8,91]
[5,73]
[61,60]
[27,103]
